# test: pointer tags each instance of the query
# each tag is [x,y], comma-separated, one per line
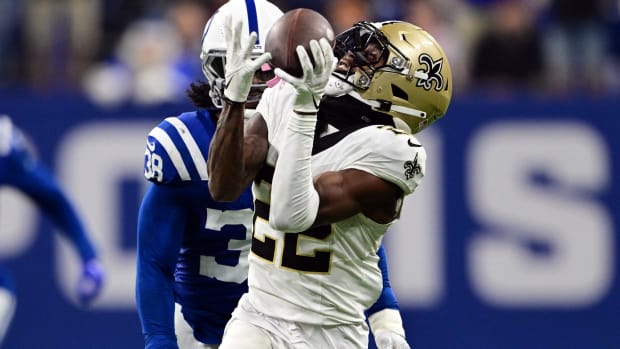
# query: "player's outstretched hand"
[390,340]
[311,86]
[91,282]
[240,67]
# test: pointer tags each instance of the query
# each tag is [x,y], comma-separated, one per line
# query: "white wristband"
[294,201]
[387,320]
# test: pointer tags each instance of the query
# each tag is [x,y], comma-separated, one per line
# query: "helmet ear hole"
[399,92]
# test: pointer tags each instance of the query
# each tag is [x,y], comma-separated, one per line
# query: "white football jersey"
[328,275]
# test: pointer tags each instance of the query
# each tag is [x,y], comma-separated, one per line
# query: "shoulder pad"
[176,150]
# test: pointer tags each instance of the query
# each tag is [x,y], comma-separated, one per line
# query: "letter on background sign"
[560,212]
[19,224]
[416,255]
[92,162]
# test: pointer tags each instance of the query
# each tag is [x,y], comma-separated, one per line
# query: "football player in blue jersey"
[193,251]
[20,169]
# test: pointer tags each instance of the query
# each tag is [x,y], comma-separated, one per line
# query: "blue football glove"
[91,282]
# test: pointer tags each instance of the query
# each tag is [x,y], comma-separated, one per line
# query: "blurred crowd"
[146,51]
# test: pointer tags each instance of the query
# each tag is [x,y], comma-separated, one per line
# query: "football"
[295,27]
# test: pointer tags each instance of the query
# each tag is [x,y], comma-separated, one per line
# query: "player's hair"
[198,93]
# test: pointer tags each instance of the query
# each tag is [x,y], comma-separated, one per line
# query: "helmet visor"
[357,40]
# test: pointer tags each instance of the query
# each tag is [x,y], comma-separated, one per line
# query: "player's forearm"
[160,223]
[226,162]
[71,226]
[156,312]
[47,193]
[155,303]
[294,200]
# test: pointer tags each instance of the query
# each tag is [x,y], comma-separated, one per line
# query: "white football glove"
[390,340]
[311,86]
[387,328]
[240,67]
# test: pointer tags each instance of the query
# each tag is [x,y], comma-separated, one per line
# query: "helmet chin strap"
[338,86]
[388,106]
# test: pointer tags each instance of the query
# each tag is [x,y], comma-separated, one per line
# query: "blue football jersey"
[191,249]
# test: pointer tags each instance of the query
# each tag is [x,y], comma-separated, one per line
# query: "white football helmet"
[257,16]
[414,82]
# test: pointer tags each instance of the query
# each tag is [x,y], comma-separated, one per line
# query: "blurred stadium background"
[511,242]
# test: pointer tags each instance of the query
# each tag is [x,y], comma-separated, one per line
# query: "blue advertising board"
[510,242]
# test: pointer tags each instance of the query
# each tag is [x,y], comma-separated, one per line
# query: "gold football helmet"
[396,68]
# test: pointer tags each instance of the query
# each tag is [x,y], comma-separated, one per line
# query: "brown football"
[295,27]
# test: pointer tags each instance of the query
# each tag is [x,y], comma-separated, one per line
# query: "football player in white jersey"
[192,263]
[329,180]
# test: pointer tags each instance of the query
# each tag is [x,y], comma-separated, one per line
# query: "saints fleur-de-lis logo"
[412,168]
[433,70]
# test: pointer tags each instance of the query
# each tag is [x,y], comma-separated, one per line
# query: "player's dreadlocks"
[198,93]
